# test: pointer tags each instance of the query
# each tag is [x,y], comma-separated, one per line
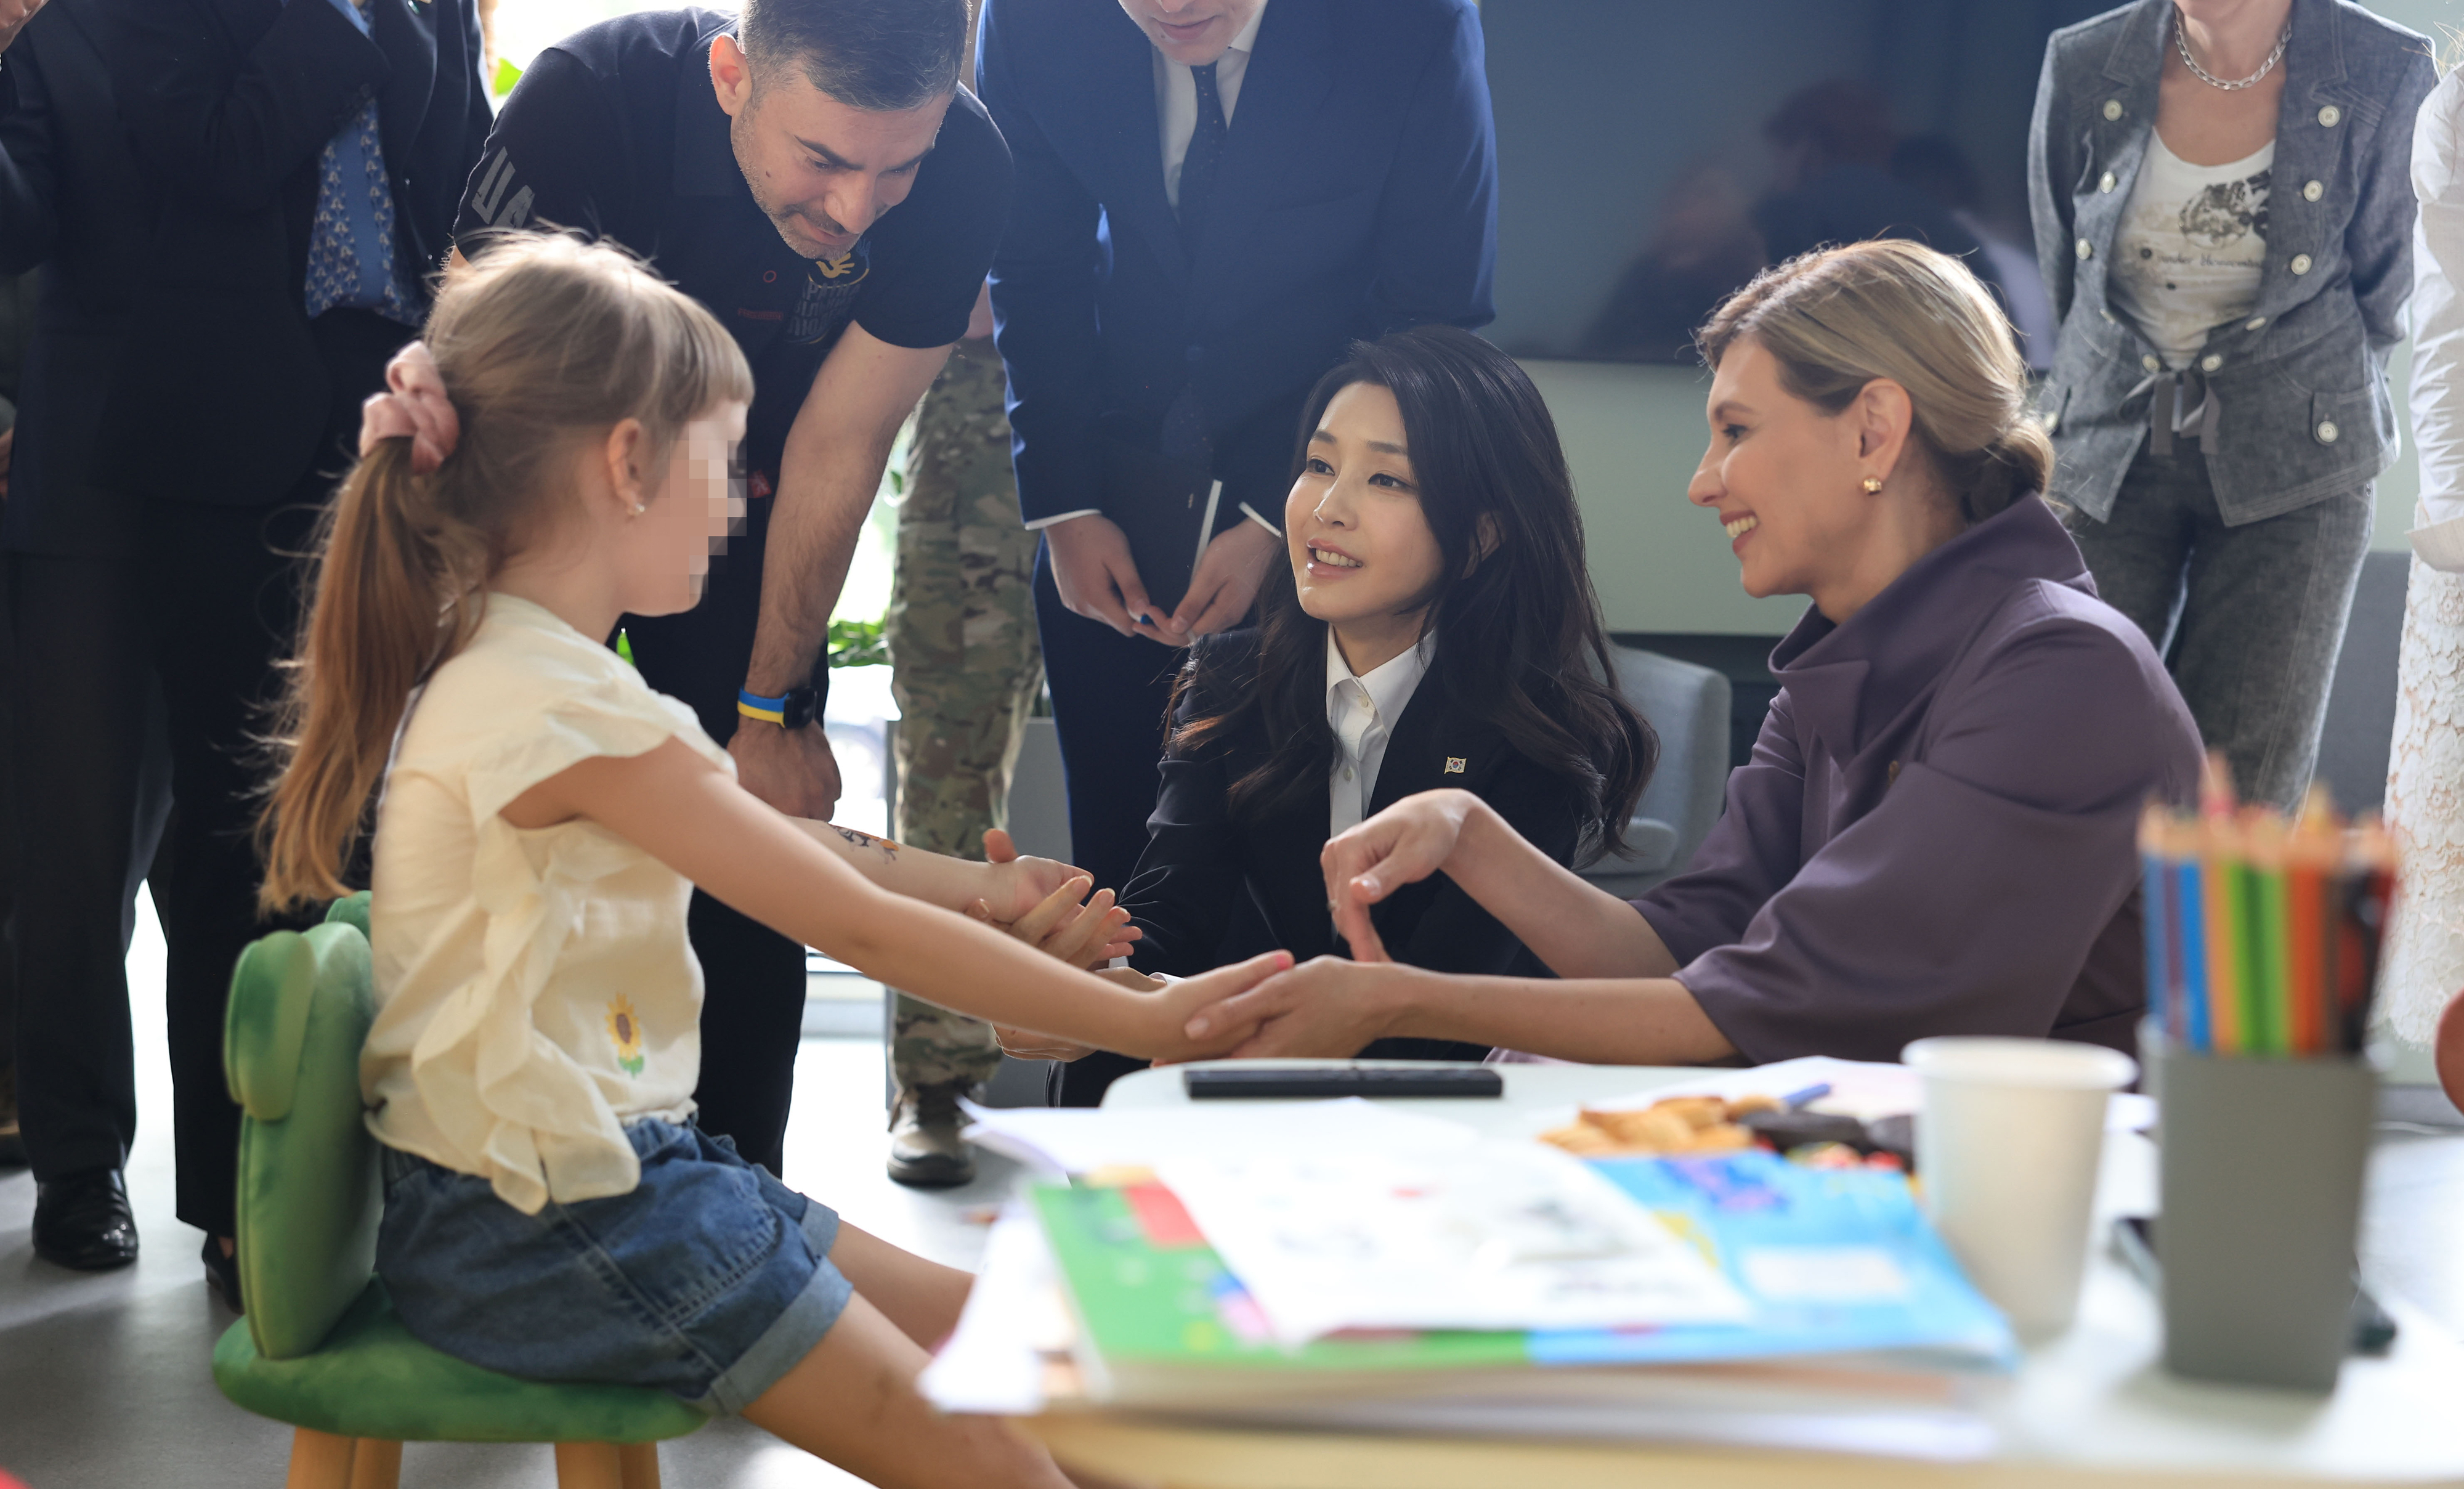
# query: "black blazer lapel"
[1434,747]
[1289,73]
[1117,94]
[406,34]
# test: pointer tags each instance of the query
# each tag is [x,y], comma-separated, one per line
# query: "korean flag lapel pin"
[1453,765]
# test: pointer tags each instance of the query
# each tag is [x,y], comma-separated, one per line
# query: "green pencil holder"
[2263,1164]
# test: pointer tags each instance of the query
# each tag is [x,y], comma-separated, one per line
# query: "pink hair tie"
[413,406]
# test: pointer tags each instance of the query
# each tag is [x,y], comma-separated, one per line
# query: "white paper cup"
[2007,1150]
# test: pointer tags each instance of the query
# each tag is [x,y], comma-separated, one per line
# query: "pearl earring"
[641,507]
[1873,487]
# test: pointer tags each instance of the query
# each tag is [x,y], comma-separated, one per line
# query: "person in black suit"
[1434,625]
[307,158]
[1215,198]
[85,715]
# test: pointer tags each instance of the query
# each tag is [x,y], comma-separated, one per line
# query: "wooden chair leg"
[641,1464]
[377,1465]
[588,1465]
[319,1460]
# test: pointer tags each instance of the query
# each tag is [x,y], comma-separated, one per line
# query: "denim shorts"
[709,1280]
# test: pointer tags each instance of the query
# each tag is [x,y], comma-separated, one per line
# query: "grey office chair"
[1688,705]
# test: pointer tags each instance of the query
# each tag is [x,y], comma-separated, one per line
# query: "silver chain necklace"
[2182,44]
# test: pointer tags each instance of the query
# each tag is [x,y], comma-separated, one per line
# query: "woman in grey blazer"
[2224,221]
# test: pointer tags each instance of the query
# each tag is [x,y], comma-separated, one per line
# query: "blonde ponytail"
[543,342]
[389,595]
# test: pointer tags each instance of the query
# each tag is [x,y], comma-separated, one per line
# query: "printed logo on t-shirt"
[489,198]
[2224,213]
[624,1028]
[828,296]
[2191,247]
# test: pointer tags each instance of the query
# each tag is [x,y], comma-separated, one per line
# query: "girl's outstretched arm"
[1008,885]
[692,816]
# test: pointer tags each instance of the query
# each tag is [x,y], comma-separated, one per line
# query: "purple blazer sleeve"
[1967,901]
[1750,854]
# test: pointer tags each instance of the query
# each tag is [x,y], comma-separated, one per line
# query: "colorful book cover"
[1835,1261]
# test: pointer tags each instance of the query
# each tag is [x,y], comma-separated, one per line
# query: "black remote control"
[1231,1083]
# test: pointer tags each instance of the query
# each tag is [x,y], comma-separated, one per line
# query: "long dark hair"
[1520,641]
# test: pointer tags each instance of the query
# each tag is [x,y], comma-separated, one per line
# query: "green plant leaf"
[858,644]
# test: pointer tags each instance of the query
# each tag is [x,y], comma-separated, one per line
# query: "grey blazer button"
[2112,109]
[2328,432]
[2104,182]
[2301,264]
[2253,322]
[2312,190]
[2086,250]
[2210,363]
[2330,117]
[2151,363]
[2053,420]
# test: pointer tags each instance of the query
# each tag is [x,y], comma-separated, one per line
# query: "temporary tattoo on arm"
[866,840]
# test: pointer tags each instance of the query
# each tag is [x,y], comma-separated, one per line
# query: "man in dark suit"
[1215,198]
[85,725]
[306,156]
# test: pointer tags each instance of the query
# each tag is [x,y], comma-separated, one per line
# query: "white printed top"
[535,989]
[2191,246]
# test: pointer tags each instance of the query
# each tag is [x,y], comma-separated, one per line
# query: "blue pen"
[1812,1093]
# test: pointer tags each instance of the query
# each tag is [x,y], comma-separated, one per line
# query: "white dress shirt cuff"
[1040,523]
[2440,544]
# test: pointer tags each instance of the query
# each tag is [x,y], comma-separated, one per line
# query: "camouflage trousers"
[966,666]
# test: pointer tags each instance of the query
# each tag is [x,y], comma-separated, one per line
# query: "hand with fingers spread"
[1083,934]
[1097,578]
[1226,580]
[1402,844]
[1021,885]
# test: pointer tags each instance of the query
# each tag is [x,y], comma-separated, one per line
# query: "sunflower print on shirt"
[624,1028]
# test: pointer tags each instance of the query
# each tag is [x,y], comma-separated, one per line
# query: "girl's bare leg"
[853,1401]
[922,1297]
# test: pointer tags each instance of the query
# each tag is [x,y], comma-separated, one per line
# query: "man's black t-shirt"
[615,130]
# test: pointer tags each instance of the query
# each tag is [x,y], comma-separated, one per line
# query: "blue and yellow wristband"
[769,710]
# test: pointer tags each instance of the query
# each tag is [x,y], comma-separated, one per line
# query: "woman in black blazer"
[1436,627]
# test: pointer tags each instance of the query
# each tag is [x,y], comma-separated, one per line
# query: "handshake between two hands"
[1329,1007]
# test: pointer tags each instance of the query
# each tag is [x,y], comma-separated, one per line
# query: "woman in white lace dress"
[2425,801]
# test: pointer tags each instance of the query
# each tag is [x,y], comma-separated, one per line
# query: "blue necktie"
[351,256]
[1206,156]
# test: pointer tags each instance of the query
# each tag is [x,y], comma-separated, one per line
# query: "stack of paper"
[1367,1269]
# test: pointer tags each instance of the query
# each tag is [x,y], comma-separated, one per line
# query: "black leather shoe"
[82,1221]
[222,1275]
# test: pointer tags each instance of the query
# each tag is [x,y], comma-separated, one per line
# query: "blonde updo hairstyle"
[1838,319]
[542,340]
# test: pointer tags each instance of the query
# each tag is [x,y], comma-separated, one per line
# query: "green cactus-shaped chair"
[321,1347]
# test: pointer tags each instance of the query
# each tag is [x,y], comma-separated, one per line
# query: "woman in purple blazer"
[1936,832]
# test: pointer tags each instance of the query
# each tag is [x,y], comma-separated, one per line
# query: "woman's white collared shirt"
[1362,711]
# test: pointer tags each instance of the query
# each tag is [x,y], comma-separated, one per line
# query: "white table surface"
[2096,1399]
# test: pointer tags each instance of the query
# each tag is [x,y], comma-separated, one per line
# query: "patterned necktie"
[1206,156]
[351,256]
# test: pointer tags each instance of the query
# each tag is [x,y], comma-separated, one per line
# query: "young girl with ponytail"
[1937,831]
[555,453]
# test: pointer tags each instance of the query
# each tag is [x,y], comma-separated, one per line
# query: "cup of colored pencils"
[2263,938]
